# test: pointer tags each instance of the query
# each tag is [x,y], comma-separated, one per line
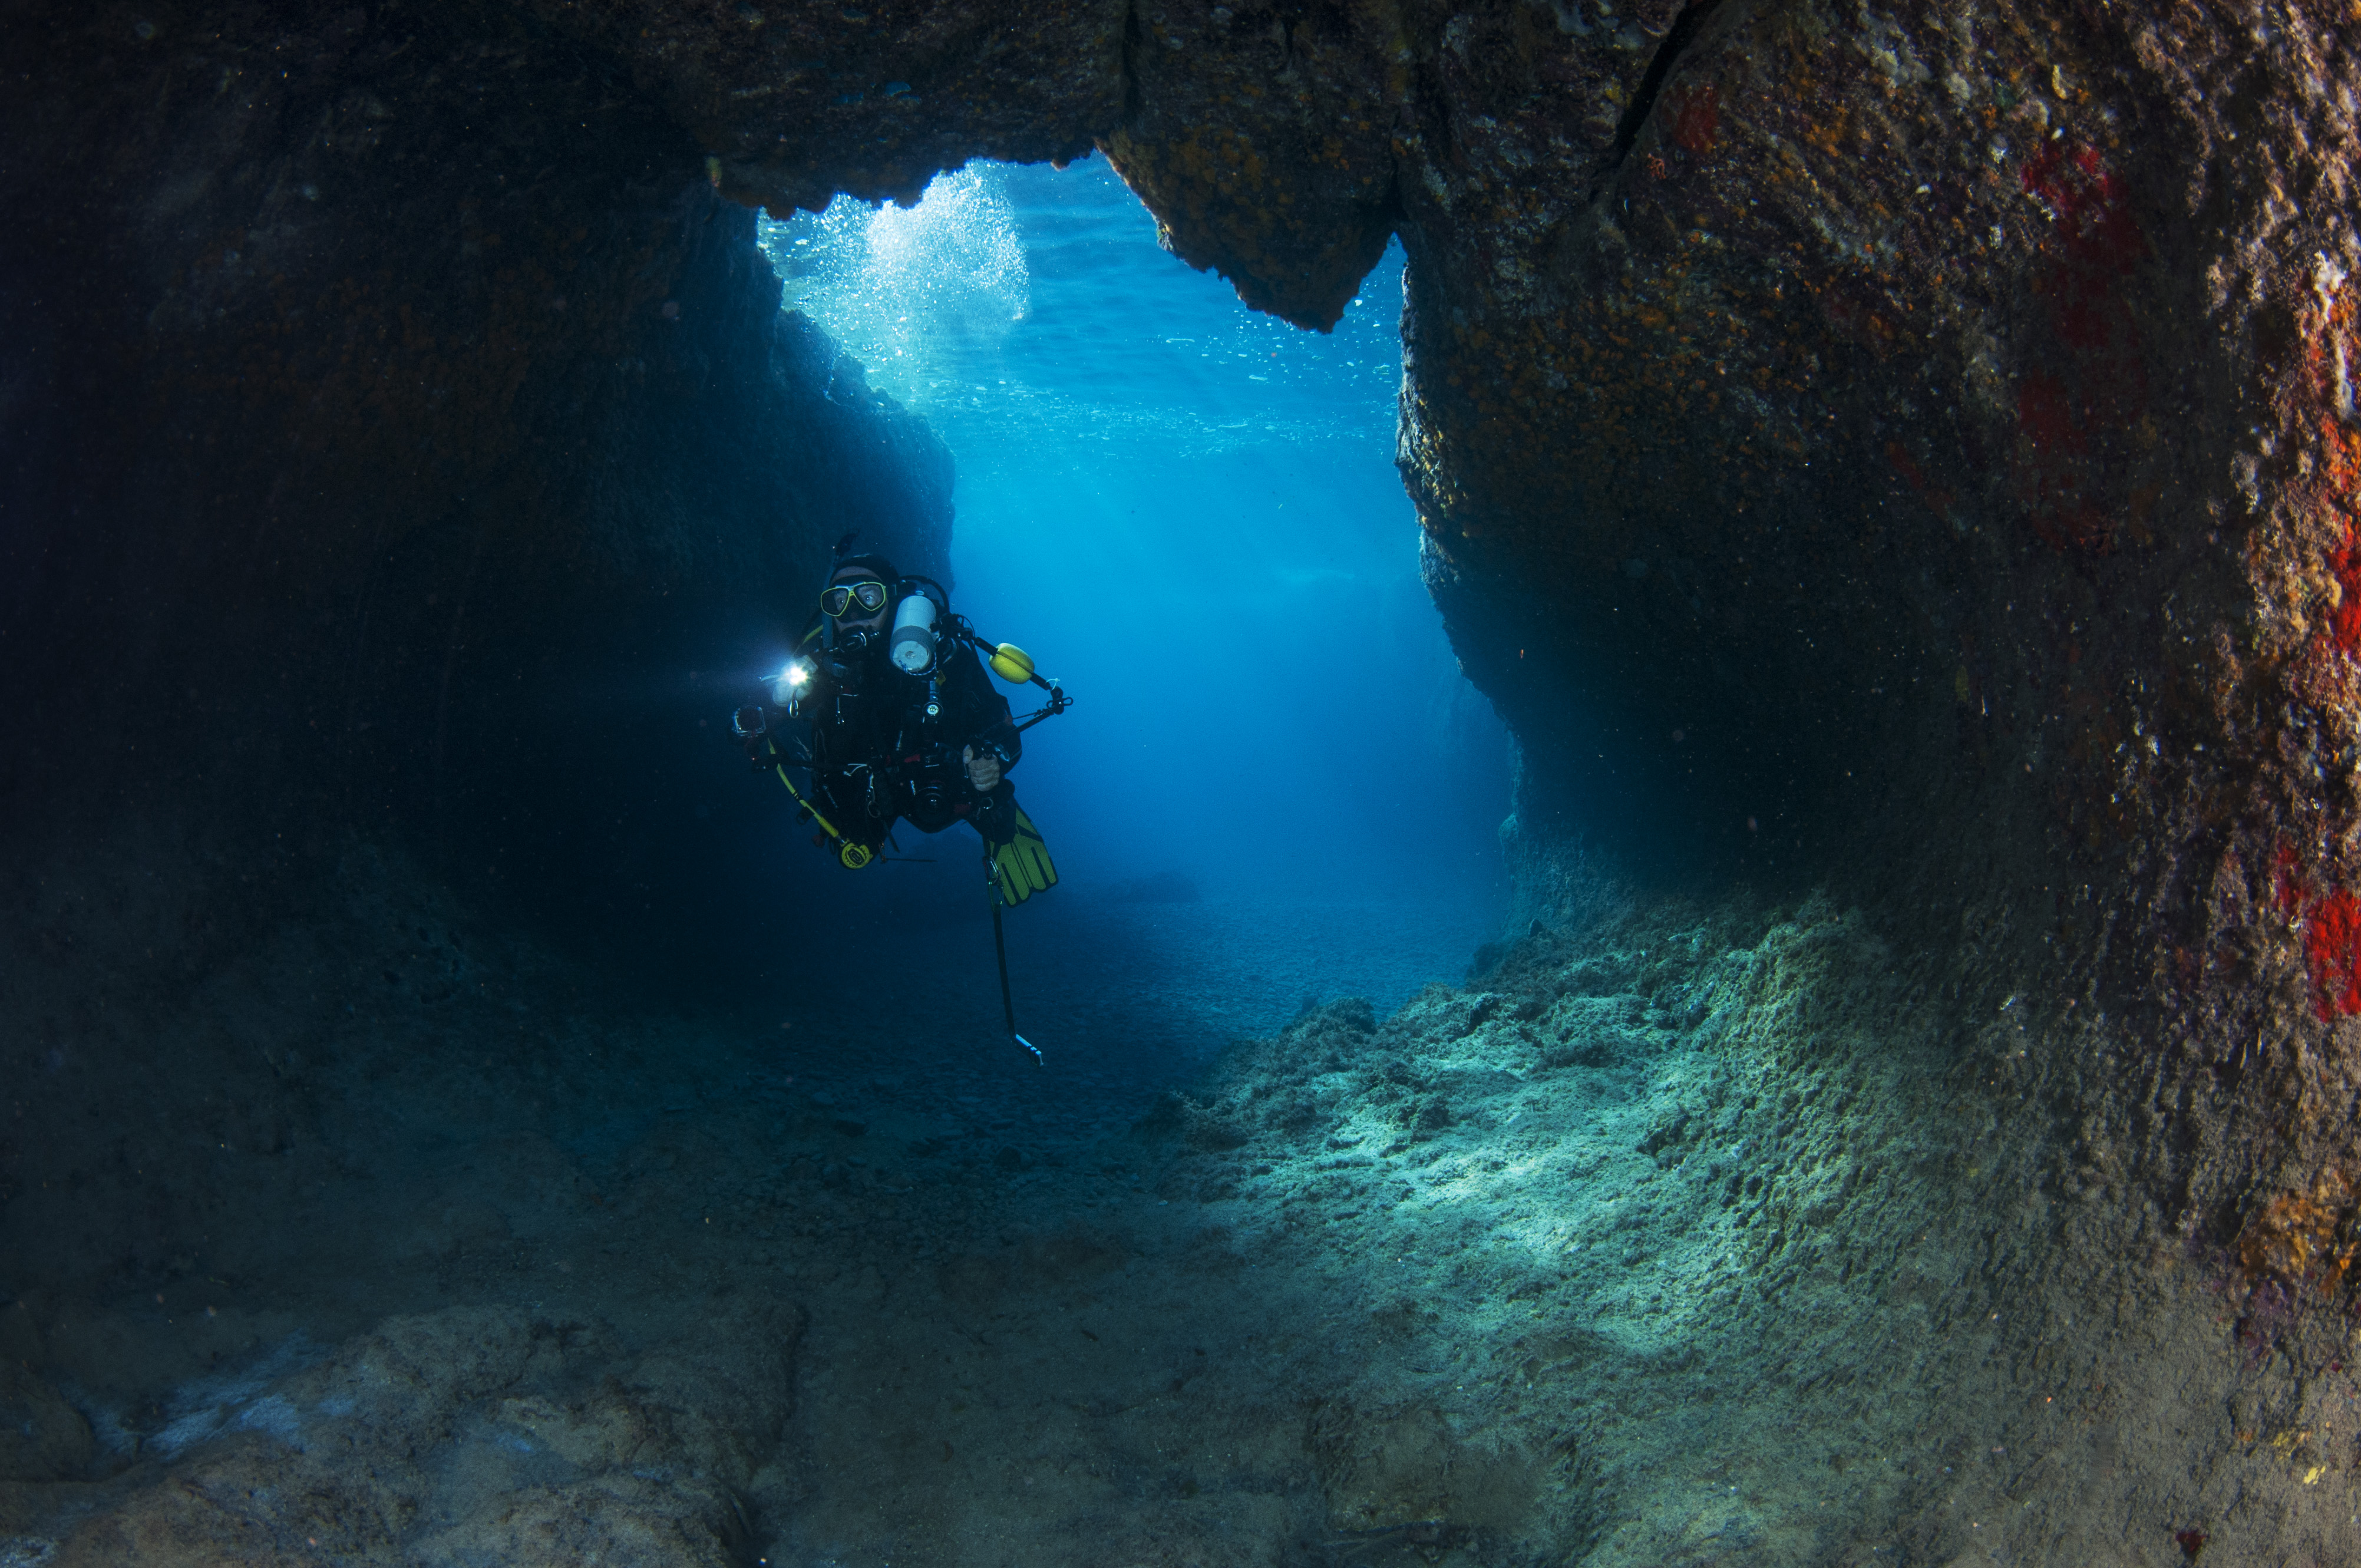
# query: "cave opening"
[1189,511]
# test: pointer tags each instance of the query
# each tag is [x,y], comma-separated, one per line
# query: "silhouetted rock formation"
[402,433]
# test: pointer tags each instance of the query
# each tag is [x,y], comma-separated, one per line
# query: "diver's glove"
[1021,866]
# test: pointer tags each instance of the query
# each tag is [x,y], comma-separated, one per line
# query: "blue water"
[1190,514]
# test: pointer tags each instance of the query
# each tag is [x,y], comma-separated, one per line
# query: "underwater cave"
[1699,885]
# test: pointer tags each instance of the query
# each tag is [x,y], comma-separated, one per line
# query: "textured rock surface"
[42,1437]
[1697,1237]
[1949,453]
[470,1435]
[1870,425]
[797,101]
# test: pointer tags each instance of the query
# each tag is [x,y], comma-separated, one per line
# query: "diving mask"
[869,596]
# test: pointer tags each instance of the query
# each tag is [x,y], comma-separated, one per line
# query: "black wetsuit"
[877,756]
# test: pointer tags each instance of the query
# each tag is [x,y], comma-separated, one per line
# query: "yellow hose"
[853,856]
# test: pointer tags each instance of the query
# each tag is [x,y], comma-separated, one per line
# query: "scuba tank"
[924,627]
[912,645]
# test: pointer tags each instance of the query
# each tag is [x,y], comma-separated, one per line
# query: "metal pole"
[999,946]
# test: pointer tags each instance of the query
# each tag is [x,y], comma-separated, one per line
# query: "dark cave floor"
[1630,1250]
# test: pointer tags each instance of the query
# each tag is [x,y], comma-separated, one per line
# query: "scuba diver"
[887,703]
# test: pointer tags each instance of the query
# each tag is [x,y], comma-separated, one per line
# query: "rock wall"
[402,433]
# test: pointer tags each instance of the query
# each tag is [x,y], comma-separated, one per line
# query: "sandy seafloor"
[1617,1255]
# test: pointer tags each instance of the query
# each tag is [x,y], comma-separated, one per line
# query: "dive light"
[790,682]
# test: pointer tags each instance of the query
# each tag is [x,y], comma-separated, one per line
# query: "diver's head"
[859,595]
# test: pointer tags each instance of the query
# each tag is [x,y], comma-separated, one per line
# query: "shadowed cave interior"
[1707,834]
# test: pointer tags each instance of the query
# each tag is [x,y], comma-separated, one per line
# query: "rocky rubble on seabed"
[1628,1252]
